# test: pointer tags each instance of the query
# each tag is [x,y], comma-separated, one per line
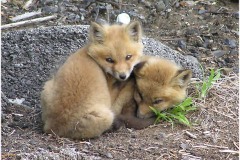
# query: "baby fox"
[76,102]
[159,83]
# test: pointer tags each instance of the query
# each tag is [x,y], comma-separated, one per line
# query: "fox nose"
[122,76]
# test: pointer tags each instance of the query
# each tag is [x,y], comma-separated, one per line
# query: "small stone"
[177,4]
[133,136]
[50,9]
[109,155]
[207,133]
[82,17]
[229,60]
[210,41]
[202,11]
[187,23]
[160,136]
[184,146]
[236,32]
[147,4]
[61,8]
[234,52]
[16,118]
[73,9]
[47,2]
[191,31]
[191,58]
[195,41]
[169,10]
[213,48]
[160,6]
[206,44]
[236,15]
[179,33]
[200,17]
[230,43]
[219,53]
[181,44]
[18,157]
[123,18]
[191,3]
[74,17]
[236,69]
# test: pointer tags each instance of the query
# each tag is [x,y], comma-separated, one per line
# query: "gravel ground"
[204,32]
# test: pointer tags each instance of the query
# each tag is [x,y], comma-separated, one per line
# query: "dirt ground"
[207,31]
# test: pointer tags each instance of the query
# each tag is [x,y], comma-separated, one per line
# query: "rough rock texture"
[29,58]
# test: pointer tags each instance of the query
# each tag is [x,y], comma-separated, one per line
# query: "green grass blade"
[154,110]
[214,76]
[182,119]
[186,102]
[190,108]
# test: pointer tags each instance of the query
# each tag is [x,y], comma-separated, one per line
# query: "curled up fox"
[157,82]
[94,91]
[77,101]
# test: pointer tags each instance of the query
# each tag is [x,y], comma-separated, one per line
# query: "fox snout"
[144,111]
[121,76]
[122,72]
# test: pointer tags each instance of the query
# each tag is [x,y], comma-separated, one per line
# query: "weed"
[178,112]
[207,84]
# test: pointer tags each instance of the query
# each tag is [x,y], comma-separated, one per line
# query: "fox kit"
[76,102]
[159,83]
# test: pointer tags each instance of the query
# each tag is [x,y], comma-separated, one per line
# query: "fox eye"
[157,101]
[128,57]
[109,60]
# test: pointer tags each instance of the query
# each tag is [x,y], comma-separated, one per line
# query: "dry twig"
[191,135]
[28,22]
[26,15]
[215,146]
[229,151]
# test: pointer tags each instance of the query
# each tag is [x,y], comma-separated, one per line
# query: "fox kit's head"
[160,84]
[116,48]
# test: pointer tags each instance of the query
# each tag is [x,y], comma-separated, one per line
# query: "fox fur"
[77,102]
[159,83]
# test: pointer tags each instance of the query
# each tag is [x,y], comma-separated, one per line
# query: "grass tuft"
[178,112]
[207,84]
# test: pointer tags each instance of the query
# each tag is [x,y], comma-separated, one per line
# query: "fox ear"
[182,77]
[137,69]
[134,30]
[96,33]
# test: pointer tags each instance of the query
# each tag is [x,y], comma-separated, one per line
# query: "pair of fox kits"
[94,88]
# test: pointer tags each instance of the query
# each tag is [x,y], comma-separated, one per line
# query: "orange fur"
[77,101]
[159,83]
